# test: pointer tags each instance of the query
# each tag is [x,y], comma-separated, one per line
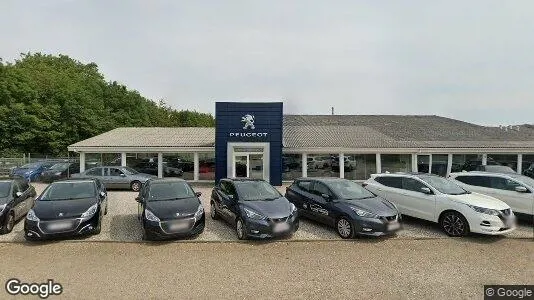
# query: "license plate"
[393,226]
[281,227]
[59,226]
[179,226]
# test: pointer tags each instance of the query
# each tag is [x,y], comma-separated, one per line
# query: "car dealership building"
[258,140]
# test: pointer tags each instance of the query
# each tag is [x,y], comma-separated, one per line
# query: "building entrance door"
[248,165]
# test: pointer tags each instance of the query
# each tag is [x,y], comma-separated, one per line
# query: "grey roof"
[152,137]
[338,131]
[399,131]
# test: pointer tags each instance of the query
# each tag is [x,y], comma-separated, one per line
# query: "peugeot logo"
[248,120]
[60,215]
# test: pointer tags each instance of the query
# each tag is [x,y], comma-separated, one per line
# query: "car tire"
[454,224]
[98,227]
[240,229]
[213,212]
[10,223]
[146,236]
[135,186]
[106,211]
[344,228]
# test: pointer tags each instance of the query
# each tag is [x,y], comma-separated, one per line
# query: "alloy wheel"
[453,225]
[344,228]
[213,213]
[136,186]
[10,223]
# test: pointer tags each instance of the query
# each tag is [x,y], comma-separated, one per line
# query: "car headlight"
[57,173]
[483,210]
[363,213]
[2,207]
[31,216]
[151,216]
[253,215]
[90,212]
[292,208]
[27,173]
[199,212]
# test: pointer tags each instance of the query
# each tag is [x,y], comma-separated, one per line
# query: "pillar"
[196,166]
[378,163]
[160,165]
[304,164]
[123,159]
[82,161]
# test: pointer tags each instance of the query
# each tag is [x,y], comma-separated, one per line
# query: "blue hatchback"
[32,171]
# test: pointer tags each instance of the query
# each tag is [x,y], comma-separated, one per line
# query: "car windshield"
[130,170]
[256,190]
[347,189]
[69,190]
[499,169]
[60,167]
[31,166]
[524,179]
[162,191]
[5,187]
[444,185]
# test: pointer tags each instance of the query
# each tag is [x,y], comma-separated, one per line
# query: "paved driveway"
[121,224]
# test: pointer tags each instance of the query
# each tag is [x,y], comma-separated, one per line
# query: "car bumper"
[377,227]
[42,230]
[160,231]
[262,229]
[491,225]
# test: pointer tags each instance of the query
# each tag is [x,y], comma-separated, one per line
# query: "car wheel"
[213,212]
[106,211]
[240,229]
[135,186]
[454,224]
[10,223]
[344,228]
[98,228]
[146,236]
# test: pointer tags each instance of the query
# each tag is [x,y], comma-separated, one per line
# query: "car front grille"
[279,220]
[59,226]
[506,212]
[169,226]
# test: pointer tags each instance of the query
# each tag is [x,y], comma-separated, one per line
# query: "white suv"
[514,189]
[440,200]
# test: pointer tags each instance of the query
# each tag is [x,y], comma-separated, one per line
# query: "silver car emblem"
[61,214]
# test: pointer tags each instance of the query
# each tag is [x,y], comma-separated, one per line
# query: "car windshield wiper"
[169,199]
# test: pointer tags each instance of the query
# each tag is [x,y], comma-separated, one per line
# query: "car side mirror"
[426,190]
[198,194]
[102,194]
[231,197]
[521,189]
[326,197]
[18,194]
[122,175]
[138,199]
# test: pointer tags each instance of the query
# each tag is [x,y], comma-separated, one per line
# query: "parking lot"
[121,224]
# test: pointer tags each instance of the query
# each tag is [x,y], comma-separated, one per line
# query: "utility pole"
[332,110]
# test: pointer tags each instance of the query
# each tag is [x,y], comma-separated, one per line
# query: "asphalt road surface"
[360,269]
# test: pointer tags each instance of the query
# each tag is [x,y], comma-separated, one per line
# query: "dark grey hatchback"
[254,207]
[345,205]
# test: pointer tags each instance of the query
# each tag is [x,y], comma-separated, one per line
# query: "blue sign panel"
[249,123]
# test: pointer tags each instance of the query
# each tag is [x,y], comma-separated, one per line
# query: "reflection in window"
[465,162]
[178,165]
[359,166]
[206,166]
[291,166]
[93,160]
[439,164]
[509,160]
[323,165]
[396,163]
[143,162]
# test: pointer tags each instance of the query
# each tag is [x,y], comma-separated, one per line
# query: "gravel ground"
[121,224]
[360,269]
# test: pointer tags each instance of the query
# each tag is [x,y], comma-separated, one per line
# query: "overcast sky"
[470,60]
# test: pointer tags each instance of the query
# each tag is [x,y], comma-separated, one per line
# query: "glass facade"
[423,163]
[465,162]
[359,166]
[439,164]
[93,160]
[143,162]
[291,166]
[509,160]
[206,166]
[528,165]
[178,165]
[396,163]
[323,165]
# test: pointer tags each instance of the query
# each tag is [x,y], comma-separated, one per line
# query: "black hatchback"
[16,199]
[345,205]
[67,208]
[254,207]
[169,208]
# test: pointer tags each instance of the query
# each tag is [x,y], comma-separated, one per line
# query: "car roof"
[76,180]
[172,179]
[404,174]
[481,173]
[242,179]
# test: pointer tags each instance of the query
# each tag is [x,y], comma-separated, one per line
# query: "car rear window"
[390,181]
[304,185]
